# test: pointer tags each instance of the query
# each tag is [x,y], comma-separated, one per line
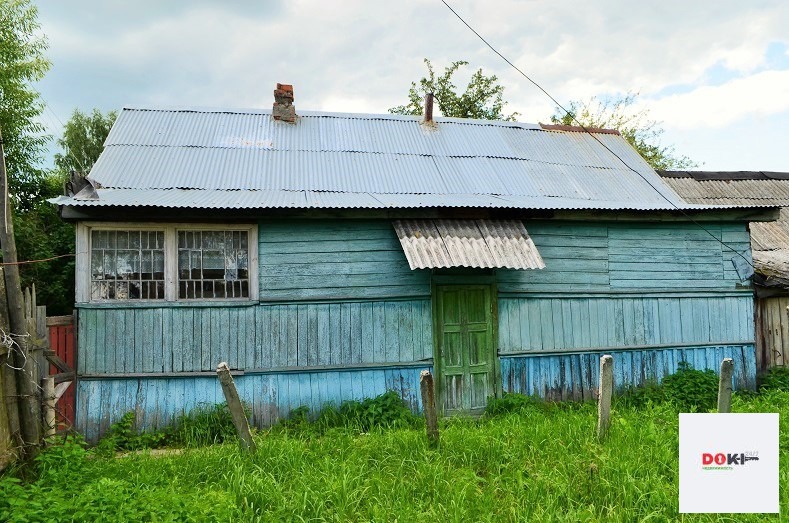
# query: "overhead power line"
[587,131]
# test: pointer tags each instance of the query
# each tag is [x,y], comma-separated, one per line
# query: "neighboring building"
[336,257]
[769,242]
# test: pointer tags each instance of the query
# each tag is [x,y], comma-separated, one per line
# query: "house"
[335,256]
[769,242]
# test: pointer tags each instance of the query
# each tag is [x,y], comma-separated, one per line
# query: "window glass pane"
[127,265]
[213,264]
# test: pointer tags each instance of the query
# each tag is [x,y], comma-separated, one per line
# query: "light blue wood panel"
[567,324]
[575,376]
[158,402]
[335,259]
[630,255]
[192,339]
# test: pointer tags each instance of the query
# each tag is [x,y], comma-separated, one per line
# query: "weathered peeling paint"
[158,402]
[575,376]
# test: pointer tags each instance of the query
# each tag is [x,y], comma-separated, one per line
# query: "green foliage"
[387,410]
[482,99]
[642,396]
[123,435]
[777,378]
[83,140]
[692,389]
[511,402]
[635,126]
[687,389]
[522,466]
[22,63]
[39,231]
[207,424]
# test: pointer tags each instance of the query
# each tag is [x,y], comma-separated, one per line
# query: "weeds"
[777,378]
[532,464]
[385,411]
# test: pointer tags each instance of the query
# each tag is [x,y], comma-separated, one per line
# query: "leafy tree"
[635,126]
[482,99]
[82,141]
[40,232]
[22,62]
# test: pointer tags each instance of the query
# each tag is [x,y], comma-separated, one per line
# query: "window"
[170,262]
[127,265]
[213,264]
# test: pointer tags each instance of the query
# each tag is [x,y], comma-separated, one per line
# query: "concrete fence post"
[236,407]
[604,395]
[724,385]
[429,406]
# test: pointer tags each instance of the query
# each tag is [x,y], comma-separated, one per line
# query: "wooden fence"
[61,342]
[772,332]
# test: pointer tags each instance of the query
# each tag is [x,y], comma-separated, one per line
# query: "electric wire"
[587,131]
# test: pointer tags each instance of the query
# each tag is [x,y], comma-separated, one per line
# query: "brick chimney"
[283,104]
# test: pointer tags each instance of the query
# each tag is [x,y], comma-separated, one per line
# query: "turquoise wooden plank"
[357,329]
[322,335]
[264,346]
[391,332]
[312,334]
[379,329]
[157,345]
[206,338]
[302,347]
[408,313]
[290,338]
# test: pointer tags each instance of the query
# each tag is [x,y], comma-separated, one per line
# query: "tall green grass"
[538,463]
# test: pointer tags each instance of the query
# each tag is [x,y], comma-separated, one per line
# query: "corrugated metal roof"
[456,163]
[487,244]
[262,199]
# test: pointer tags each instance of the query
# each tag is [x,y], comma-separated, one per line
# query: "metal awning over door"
[484,244]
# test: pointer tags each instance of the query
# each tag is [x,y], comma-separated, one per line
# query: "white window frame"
[84,249]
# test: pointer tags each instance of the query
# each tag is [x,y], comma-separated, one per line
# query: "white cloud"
[760,94]
[358,55]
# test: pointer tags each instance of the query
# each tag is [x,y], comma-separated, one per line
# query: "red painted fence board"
[61,340]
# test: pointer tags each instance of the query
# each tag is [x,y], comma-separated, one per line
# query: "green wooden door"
[465,350]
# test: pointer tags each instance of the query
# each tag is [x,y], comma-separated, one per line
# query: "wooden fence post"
[604,396]
[236,407]
[49,397]
[724,385]
[429,406]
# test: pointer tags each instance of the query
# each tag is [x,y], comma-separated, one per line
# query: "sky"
[714,74]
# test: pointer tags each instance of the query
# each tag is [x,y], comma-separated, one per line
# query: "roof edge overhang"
[152,213]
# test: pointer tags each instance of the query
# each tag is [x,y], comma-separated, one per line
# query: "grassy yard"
[539,464]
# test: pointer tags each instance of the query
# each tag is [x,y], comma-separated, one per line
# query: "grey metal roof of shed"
[769,240]
[224,158]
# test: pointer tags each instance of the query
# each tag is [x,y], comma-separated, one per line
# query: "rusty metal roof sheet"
[152,156]
[487,244]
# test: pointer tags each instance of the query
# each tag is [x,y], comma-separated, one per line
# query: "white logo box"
[728,463]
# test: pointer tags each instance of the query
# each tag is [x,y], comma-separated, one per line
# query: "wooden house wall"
[341,316]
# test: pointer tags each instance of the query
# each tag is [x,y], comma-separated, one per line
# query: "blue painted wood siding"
[575,376]
[335,259]
[585,323]
[630,256]
[194,338]
[157,402]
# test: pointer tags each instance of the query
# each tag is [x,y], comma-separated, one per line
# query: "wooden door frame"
[465,281]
